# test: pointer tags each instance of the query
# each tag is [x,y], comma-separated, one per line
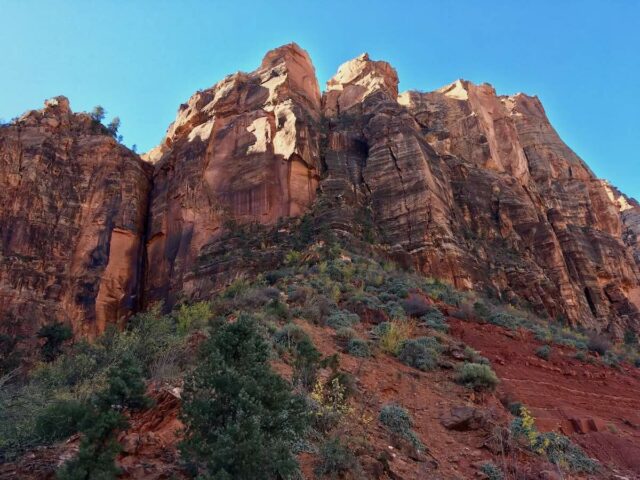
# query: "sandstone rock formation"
[245,150]
[72,213]
[464,184]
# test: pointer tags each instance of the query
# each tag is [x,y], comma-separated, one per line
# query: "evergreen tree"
[241,418]
[99,445]
[55,335]
[97,114]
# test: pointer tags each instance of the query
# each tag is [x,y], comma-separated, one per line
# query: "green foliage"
[477,376]
[435,319]
[505,320]
[60,420]
[113,126]
[399,422]
[342,318]
[335,459]
[358,348]
[491,471]
[289,336]
[481,310]
[102,421]
[416,353]
[193,317]
[306,363]
[55,335]
[416,306]
[345,334]
[544,352]
[557,448]
[97,114]
[630,338]
[241,418]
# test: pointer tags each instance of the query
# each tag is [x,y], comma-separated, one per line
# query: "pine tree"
[241,418]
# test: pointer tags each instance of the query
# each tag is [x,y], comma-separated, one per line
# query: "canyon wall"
[462,183]
[73,205]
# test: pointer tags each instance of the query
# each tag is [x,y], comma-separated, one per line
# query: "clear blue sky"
[141,59]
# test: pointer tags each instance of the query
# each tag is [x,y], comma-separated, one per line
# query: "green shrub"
[399,422]
[481,310]
[416,354]
[477,376]
[544,352]
[55,335]
[561,451]
[342,318]
[345,334]
[491,471]
[335,459]
[193,317]
[306,363]
[358,348]
[241,419]
[60,420]
[505,320]
[289,336]
[395,333]
[435,319]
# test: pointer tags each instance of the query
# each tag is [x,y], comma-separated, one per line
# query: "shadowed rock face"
[245,150]
[462,183]
[72,214]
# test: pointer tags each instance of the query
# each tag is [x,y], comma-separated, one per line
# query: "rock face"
[462,183]
[72,213]
[245,150]
[479,189]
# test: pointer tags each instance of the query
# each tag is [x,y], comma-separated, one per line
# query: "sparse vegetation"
[544,352]
[399,423]
[417,353]
[477,376]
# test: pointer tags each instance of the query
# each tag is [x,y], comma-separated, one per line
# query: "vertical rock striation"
[244,150]
[72,216]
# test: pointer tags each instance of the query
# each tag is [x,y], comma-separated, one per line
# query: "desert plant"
[335,459]
[417,354]
[394,335]
[477,376]
[491,471]
[358,348]
[543,352]
[416,306]
[342,318]
[598,343]
[399,422]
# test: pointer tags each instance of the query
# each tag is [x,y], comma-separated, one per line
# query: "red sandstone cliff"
[467,185]
[72,213]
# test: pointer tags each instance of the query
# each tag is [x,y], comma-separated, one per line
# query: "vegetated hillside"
[392,375]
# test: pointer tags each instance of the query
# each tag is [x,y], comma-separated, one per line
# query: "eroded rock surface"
[73,203]
[245,150]
[479,189]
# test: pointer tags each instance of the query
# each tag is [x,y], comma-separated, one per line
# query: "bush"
[60,420]
[477,376]
[344,334]
[416,354]
[505,320]
[394,335]
[358,348]
[55,335]
[544,352]
[416,306]
[306,363]
[598,343]
[335,459]
[342,318]
[289,336]
[481,310]
[491,471]
[193,317]
[399,422]
[435,319]
[241,419]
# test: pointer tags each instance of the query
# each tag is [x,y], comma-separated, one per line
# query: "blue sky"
[141,59]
